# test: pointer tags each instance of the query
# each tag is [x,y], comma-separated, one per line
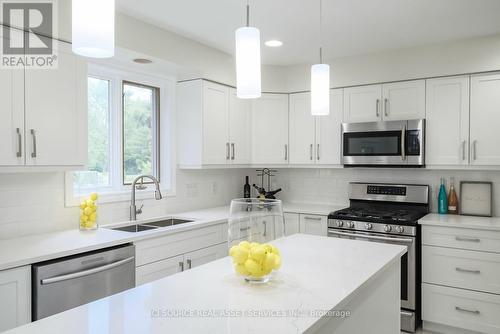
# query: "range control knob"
[387,228]
[368,226]
[400,229]
[350,224]
[340,223]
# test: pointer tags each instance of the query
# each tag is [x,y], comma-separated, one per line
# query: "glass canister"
[253,224]
[88,213]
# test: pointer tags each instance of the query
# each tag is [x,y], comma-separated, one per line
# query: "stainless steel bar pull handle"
[286,152]
[227,151]
[376,107]
[311,152]
[467,239]
[463,149]
[189,264]
[19,143]
[181,265]
[474,150]
[467,270]
[403,148]
[373,237]
[317,152]
[461,309]
[312,218]
[386,107]
[33,134]
[232,151]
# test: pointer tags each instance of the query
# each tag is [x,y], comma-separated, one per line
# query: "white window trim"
[168,163]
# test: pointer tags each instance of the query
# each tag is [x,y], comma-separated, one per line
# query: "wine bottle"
[246,188]
[442,199]
[452,198]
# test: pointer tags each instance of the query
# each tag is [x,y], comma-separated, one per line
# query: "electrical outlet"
[215,188]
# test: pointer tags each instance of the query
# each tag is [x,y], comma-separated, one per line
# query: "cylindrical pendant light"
[320,83]
[248,77]
[93,24]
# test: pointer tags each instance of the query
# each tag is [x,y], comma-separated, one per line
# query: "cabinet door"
[11,114]
[239,129]
[291,223]
[15,294]
[159,269]
[362,104]
[328,138]
[484,119]
[447,121]
[215,124]
[56,112]
[205,255]
[403,100]
[313,224]
[270,129]
[302,130]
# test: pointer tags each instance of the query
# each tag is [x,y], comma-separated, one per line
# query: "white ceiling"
[350,27]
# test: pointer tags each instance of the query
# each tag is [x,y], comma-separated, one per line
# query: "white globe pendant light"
[248,75]
[320,83]
[93,23]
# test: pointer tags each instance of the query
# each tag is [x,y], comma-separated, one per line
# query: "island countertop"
[318,274]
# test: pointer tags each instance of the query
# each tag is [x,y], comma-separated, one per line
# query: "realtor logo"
[27,31]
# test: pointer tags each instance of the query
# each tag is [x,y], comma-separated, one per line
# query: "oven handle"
[373,237]
[403,149]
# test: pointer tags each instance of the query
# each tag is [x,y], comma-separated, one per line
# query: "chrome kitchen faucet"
[133,209]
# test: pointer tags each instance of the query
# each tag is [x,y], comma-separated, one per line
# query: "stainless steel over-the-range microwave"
[384,144]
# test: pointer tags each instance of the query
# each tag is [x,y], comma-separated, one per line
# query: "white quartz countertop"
[481,223]
[41,247]
[318,274]
[312,209]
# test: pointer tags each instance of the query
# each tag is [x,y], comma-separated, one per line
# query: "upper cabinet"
[213,125]
[484,119]
[315,140]
[447,121]
[270,129]
[387,102]
[44,113]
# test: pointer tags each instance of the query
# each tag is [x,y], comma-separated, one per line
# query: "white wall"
[330,186]
[34,202]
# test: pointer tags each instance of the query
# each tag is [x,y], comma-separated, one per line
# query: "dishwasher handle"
[86,272]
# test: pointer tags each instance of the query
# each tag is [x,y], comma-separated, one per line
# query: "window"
[127,117]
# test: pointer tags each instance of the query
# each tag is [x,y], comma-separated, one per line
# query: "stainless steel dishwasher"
[65,283]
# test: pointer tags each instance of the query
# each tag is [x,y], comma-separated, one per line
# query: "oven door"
[408,260]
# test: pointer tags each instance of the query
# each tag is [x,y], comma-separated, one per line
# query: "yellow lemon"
[275,250]
[244,244]
[233,249]
[268,247]
[254,244]
[277,262]
[83,205]
[240,255]
[89,202]
[258,253]
[83,218]
[240,269]
[88,211]
[252,267]
[269,262]
[93,217]
[94,196]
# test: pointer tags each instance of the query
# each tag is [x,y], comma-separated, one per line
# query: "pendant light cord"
[248,13]
[320,32]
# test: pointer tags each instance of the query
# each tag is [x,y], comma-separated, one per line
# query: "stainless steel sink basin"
[134,228]
[151,225]
[167,222]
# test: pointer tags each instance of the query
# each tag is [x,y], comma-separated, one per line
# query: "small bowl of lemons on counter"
[88,213]
[255,261]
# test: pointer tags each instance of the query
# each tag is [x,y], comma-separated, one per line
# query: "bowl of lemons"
[255,261]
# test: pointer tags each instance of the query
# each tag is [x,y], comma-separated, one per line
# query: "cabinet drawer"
[465,309]
[160,248]
[313,224]
[461,268]
[156,270]
[453,237]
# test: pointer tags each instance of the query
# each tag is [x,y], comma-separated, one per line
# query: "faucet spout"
[133,209]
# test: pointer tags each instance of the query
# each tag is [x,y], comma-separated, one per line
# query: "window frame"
[119,192]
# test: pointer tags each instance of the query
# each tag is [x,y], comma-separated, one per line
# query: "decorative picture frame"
[476,198]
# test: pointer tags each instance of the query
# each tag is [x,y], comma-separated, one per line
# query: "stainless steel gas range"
[388,213]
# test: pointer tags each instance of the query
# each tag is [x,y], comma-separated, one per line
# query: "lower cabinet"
[292,224]
[15,297]
[313,224]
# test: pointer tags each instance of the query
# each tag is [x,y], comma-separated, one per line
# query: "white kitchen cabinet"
[270,129]
[213,125]
[239,129]
[484,117]
[313,224]
[56,112]
[292,224]
[403,100]
[362,104]
[15,297]
[205,255]
[315,140]
[447,121]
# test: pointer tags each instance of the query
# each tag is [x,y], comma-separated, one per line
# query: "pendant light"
[93,23]
[320,80]
[248,80]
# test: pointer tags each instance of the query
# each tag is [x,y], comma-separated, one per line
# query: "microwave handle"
[403,135]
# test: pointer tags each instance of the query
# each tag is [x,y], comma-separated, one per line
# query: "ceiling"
[350,27]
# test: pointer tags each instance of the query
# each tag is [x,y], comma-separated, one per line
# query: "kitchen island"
[325,285]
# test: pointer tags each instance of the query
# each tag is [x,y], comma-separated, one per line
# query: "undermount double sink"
[152,225]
